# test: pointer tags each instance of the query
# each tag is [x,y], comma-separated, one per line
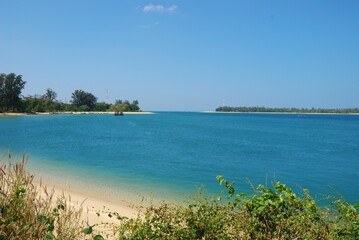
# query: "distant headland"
[288,110]
[13,103]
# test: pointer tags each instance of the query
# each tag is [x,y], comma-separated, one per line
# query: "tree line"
[11,100]
[286,110]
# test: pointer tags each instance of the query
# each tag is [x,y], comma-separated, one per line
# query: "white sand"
[111,113]
[94,210]
[12,114]
[75,113]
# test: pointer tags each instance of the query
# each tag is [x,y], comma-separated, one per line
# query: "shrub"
[30,212]
[268,213]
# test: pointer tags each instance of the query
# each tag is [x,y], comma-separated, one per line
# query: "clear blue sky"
[186,55]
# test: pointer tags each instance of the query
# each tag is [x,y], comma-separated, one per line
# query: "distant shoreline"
[293,113]
[287,110]
[70,113]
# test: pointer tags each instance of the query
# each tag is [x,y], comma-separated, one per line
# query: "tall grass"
[28,211]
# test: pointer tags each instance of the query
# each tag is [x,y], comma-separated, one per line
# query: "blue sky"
[188,55]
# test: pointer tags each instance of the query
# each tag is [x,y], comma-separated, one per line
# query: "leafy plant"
[29,211]
[276,212]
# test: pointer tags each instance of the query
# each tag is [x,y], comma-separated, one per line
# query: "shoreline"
[6,114]
[293,113]
[94,210]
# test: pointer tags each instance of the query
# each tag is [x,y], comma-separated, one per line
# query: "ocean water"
[170,154]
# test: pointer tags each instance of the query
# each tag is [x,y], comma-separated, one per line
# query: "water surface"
[170,154]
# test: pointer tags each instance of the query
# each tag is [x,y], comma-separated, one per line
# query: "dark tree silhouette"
[11,86]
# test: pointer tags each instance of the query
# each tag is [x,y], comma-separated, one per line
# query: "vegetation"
[11,86]
[27,212]
[125,106]
[84,101]
[11,100]
[274,212]
[269,213]
[42,103]
[285,110]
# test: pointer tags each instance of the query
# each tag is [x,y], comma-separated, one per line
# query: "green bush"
[269,213]
[27,212]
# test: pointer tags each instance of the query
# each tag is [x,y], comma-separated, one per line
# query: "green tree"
[49,99]
[41,103]
[102,106]
[50,95]
[11,86]
[33,104]
[83,100]
[134,106]
[119,108]
[118,101]
[125,106]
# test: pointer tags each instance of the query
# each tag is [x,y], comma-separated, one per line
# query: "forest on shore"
[11,100]
[286,110]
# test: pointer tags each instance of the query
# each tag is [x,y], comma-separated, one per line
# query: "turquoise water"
[169,154]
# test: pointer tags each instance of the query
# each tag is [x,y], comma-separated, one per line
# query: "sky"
[186,55]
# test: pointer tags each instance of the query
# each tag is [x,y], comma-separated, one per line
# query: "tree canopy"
[11,86]
[84,101]
[42,103]
[125,106]
[11,100]
[50,95]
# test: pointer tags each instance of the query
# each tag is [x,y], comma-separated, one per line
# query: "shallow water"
[169,154]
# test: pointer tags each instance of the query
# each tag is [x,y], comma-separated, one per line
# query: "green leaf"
[27,227]
[260,209]
[61,207]
[3,237]
[220,179]
[19,191]
[98,237]
[42,218]
[49,236]
[50,228]
[88,230]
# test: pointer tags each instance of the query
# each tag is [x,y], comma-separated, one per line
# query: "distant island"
[285,110]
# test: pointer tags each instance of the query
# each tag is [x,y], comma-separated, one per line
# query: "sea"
[170,155]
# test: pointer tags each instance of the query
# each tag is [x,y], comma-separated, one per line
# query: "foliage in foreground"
[31,212]
[269,213]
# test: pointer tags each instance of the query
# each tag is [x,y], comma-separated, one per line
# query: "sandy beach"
[110,113]
[94,210]
[67,113]
[12,114]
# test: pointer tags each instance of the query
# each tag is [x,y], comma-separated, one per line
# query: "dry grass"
[31,212]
